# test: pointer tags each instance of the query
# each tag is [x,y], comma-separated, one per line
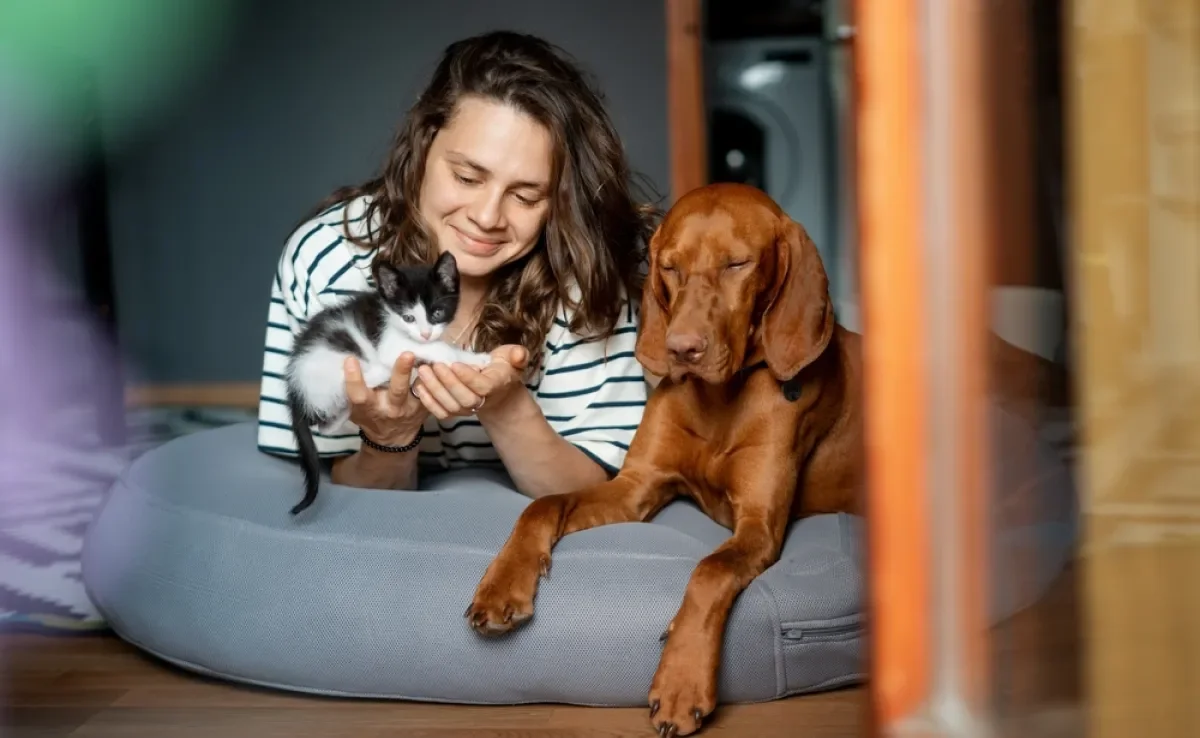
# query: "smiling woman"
[509,162]
[486,187]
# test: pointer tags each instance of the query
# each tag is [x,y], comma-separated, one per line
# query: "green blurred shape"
[120,59]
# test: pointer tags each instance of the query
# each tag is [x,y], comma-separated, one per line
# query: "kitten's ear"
[391,280]
[445,271]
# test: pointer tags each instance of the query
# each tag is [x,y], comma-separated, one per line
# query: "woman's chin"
[473,268]
[479,265]
[470,259]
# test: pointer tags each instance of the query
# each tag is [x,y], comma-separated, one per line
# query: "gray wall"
[305,99]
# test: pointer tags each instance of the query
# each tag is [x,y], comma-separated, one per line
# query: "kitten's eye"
[408,319]
[436,315]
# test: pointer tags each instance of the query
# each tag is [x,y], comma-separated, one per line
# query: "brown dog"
[757,419]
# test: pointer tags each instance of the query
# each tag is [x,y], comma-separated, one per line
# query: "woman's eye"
[527,202]
[735,265]
[465,180]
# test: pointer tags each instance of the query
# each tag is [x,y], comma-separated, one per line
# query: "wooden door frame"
[687,115]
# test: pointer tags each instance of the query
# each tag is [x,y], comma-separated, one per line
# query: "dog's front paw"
[504,599]
[682,694]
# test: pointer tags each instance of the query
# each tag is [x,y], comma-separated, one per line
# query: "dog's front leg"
[504,598]
[684,689]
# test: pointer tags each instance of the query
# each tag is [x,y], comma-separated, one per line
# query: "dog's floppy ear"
[651,347]
[798,321]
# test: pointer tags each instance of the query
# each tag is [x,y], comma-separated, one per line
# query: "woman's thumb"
[518,356]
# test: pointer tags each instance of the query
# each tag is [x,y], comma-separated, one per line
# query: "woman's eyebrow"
[469,162]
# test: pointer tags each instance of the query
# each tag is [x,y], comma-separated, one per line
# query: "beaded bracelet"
[393,449]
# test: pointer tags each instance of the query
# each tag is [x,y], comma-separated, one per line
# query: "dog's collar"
[790,387]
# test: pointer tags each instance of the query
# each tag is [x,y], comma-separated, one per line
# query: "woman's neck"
[470,298]
[470,295]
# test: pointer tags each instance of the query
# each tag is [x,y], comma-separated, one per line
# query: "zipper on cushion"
[822,632]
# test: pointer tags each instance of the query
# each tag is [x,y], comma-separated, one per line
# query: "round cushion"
[195,558]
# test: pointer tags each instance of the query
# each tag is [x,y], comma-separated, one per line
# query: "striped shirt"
[591,392]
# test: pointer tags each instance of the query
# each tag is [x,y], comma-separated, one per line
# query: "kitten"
[408,312]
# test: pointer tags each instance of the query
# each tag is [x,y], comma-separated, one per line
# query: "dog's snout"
[686,347]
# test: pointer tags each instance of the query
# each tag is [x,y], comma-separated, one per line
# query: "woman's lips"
[477,246]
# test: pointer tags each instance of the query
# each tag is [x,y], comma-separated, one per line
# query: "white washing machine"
[771,124]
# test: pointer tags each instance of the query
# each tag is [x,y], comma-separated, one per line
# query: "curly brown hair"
[596,232]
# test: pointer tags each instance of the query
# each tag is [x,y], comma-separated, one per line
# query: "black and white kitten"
[407,312]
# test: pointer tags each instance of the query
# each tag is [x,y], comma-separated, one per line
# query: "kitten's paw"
[335,423]
[376,375]
[479,360]
[435,352]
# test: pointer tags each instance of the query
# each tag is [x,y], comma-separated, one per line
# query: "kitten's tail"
[310,461]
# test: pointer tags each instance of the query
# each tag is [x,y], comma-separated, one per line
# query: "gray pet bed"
[194,558]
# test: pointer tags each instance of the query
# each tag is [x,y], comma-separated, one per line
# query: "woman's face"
[486,191]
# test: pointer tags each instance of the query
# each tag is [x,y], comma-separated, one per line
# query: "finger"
[432,387]
[501,373]
[401,382]
[479,382]
[412,399]
[431,404]
[518,357]
[356,389]
[462,394]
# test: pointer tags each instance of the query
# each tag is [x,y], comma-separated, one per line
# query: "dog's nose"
[686,347]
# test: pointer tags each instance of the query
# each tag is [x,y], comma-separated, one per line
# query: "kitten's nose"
[425,334]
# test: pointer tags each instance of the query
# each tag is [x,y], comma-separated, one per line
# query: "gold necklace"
[458,339]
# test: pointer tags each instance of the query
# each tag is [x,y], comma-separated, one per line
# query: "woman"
[509,161]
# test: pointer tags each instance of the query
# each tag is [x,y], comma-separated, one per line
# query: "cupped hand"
[455,390]
[388,415]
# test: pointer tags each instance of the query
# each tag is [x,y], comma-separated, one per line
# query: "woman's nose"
[487,211]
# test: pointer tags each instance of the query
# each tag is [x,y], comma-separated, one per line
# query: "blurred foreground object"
[80,81]
[134,56]
[1134,134]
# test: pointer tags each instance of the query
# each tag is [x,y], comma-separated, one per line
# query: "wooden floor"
[97,686]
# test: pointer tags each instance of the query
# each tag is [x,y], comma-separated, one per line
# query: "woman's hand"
[389,415]
[450,390]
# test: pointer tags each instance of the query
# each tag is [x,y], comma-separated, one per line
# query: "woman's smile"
[482,247]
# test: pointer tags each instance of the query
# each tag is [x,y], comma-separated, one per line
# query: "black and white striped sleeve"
[298,291]
[593,393]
